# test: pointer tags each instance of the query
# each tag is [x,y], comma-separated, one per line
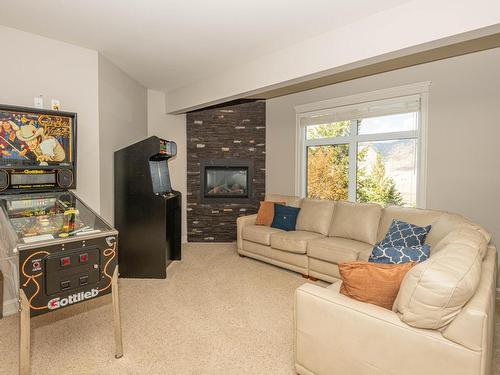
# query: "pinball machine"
[54,250]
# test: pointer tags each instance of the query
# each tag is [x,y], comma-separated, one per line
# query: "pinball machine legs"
[25,329]
[24,334]
[116,315]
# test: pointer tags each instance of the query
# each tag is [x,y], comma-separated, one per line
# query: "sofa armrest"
[241,222]
[473,327]
[335,334]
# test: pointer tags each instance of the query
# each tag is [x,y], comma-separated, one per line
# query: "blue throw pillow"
[285,217]
[399,254]
[404,234]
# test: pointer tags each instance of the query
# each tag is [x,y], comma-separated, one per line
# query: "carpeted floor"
[216,313]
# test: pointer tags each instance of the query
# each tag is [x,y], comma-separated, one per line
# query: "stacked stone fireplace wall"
[236,132]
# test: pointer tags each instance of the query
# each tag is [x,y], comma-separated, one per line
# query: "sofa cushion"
[401,233]
[336,249]
[357,221]
[294,241]
[435,291]
[321,269]
[373,283]
[293,261]
[448,222]
[290,200]
[265,215]
[259,233]
[399,254]
[315,215]
[415,216]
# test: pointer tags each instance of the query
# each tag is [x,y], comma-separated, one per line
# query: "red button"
[65,261]
[84,258]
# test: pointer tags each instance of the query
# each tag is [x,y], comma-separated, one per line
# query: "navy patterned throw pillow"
[399,254]
[404,234]
[285,217]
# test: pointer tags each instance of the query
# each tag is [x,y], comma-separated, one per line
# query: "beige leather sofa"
[442,321]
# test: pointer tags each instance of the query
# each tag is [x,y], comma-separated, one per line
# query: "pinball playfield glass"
[48,216]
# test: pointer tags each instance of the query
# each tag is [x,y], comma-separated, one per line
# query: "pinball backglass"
[32,138]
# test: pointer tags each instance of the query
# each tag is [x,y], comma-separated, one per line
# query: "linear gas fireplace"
[226,180]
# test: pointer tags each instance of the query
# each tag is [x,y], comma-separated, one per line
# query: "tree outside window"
[384,170]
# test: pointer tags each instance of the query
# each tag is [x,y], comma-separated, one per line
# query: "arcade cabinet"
[54,250]
[147,209]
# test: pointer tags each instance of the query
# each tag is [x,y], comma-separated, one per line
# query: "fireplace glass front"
[226,182]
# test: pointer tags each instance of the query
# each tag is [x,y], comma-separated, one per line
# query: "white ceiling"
[166,44]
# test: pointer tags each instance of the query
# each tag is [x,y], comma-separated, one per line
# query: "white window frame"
[421,90]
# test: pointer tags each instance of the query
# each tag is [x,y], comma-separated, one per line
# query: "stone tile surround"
[231,132]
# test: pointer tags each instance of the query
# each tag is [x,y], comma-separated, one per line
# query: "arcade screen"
[47,216]
[35,139]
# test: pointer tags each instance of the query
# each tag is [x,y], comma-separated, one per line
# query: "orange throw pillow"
[265,215]
[374,283]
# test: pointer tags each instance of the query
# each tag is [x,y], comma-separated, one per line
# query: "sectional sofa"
[442,321]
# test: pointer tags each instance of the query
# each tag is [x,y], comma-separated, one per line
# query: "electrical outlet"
[39,101]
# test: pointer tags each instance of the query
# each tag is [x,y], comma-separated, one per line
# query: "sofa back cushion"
[434,292]
[290,200]
[357,221]
[415,216]
[315,215]
[447,223]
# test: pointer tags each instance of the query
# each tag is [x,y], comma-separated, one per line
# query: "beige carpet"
[216,313]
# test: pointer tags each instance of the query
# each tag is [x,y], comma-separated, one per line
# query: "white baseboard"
[10,307]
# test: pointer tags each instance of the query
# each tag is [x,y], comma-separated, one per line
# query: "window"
[368,152]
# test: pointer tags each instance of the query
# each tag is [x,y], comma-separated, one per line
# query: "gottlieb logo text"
[55,303]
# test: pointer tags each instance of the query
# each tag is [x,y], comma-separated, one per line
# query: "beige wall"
[33,65]
[172,128]
[122,121]
[463,172]
[111,106]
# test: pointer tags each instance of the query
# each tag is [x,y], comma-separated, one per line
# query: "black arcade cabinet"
[147,210]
